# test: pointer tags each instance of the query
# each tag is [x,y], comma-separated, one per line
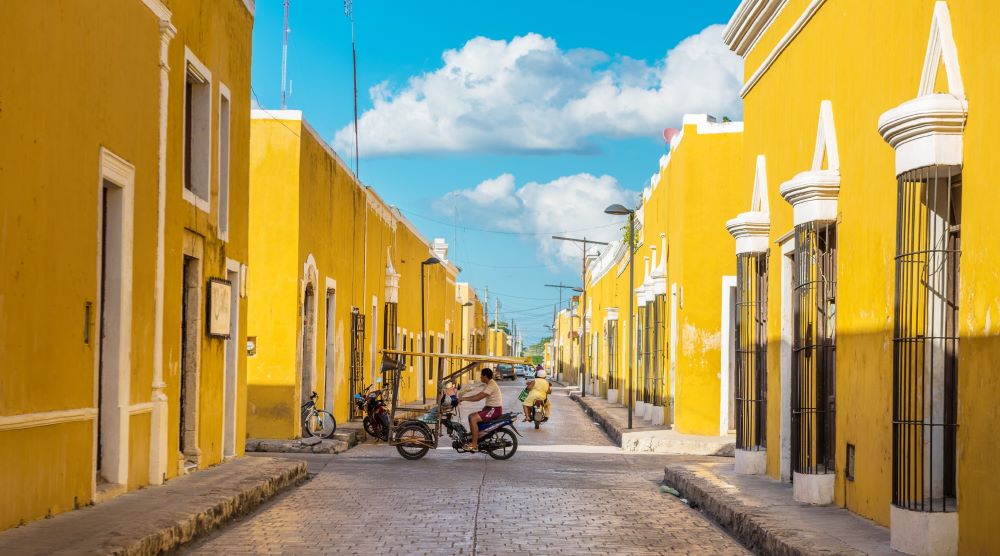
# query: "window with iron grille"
[925,339]
[814,304]
[612,337]
[357,358]
[751,351]
[659,351]
[648,356]
[640,340]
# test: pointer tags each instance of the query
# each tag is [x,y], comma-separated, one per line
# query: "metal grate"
[659,351]
[640,351]
[925,340]
[357,358]
[813,348]
[751,351]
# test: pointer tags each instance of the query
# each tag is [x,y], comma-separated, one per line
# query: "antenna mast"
[349,12]
[284,60]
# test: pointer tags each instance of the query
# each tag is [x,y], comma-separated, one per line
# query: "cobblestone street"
[566,491]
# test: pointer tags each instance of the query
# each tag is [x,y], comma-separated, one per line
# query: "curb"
[754,527]
[342,441]
[609,428]
[158,520]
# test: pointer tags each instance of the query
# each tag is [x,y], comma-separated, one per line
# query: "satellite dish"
[669,133]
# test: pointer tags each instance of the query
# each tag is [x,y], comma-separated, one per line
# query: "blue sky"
[523,118]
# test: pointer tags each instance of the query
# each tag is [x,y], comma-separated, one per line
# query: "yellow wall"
[866,58]
[305,197]
[50,144]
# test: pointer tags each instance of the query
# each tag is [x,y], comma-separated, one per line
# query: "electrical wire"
[503,232]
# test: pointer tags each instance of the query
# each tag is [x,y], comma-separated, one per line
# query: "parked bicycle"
[317,422]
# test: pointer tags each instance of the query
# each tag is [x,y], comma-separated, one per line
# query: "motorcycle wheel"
[537,424]
[371,427]
[504,444]
[412,441]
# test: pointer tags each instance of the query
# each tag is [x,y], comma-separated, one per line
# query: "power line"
[502,232]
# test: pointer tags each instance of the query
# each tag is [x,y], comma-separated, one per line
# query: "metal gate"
[925,340]
[813,348]
[357,359]
[751,351]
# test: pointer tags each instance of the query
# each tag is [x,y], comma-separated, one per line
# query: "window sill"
[194,199]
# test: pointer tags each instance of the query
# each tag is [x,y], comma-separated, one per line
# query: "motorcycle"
[376,416]
[538,413]
[497,438]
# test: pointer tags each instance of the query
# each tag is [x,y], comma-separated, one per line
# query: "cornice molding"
[786,40]
[813,195]
[750,230]
[749,22]
[926,131]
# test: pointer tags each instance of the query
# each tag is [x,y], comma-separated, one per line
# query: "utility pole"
[583,307]
[284,60]
[349,12]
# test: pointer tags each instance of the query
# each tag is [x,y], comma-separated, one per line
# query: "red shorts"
[489,413]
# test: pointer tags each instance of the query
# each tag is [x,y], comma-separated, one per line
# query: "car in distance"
[506,372]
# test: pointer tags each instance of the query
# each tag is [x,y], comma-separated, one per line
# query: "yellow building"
[125,245]
[498,342]
[875,126]
[683,363]
[472,320]
[337,273]
[567,346]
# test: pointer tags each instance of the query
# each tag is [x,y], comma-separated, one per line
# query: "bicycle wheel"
[502,444]
[320,424]
[413,441]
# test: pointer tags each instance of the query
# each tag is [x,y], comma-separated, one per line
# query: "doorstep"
[645,437]
[158,519]
[760,513]
[344,439]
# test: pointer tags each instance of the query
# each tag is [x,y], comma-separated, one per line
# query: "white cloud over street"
[571,204]
[529,95]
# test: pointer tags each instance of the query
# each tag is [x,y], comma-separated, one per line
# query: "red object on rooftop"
[669,133]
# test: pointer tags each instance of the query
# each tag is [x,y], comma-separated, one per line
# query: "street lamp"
[423,325]
[619,210]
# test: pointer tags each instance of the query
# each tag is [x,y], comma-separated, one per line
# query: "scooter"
[497,438]
[376,415]
[538,413]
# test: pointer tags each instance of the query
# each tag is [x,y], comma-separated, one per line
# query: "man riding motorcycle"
[539,390]
[492,410]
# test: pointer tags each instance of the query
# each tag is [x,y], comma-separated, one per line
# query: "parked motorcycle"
[497,438]
[372,405]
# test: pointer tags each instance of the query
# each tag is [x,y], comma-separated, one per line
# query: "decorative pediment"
[658,275]
[391,279]
[813,193]
[751,229]
[928,130]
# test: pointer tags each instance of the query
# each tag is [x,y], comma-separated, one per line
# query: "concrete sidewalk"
[760,513]
[348,435]
[158,519]
[642,437]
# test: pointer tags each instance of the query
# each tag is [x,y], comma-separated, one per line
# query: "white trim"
[941,48]
[201,72]
[726,361]
[158,426]
[749,22]
[674,298]
[330,345]
[46,418]
[751,229]
[143,407]
[116,388]
[224,185]
[231,362]
[813,193]
[250,6]
[158,8]
[786,40]
[785,357]
[310,275]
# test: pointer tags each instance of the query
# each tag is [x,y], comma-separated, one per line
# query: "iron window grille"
[751,351]
[814,348]
[659,349]
[925,340]
[357,359]
[640,340]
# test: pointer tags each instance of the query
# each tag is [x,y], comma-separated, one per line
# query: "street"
[567,490]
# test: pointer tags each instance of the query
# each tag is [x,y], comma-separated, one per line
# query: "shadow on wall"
[271,412]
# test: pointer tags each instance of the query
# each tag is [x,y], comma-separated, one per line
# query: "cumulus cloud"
[573,204]
[529,95]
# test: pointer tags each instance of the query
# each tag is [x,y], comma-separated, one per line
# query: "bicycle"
[317,422]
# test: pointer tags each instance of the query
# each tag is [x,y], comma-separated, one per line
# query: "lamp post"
[423,326]
[461,328]
[619,210]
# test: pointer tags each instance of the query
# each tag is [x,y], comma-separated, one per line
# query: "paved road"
[566,491]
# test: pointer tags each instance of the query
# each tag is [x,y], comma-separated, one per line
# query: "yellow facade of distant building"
[684,270]
[324,250]
[123,225]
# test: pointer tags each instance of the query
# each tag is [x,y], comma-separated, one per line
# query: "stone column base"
[657,414]
[813,489]
[612,395]
[751,462]
[923,533]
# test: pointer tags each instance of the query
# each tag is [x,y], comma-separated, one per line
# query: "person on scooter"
[540,390]
[493,408]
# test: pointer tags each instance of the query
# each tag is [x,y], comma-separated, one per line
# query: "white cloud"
[528,95]
[570,204]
